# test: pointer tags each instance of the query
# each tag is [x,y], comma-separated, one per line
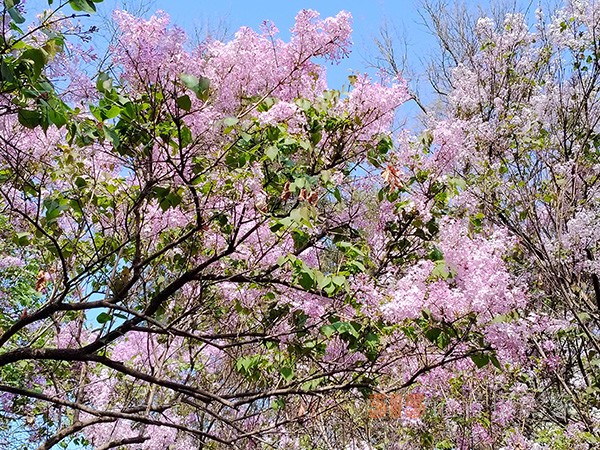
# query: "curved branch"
[68,431]
[125,414]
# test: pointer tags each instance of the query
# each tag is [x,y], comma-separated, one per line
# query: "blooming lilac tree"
[520,129]
[207,247]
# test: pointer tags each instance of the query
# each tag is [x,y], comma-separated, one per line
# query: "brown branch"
[125,414]
[68,431]
[125,441]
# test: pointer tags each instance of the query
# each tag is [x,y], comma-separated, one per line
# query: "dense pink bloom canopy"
[217,247]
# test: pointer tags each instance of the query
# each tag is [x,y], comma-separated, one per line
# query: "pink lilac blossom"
[478,279]
[471,278]
[375,104]
[284,112]
[149,50]
[7,262]
[286,70]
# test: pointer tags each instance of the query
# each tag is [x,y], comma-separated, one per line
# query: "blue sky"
[401,16]
[368,17]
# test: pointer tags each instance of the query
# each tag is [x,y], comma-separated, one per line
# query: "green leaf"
[15,15]
[347,328]
[184,102]
[54,46]
[327,330]
[275,227]
[103,318]
[495,362]
[111,135]
[171,200]
[277,404]
[315,138]
[103,83]
[301,216]
[6,72]
[189,81]
[54,208]
[337,194]
[203,89]
[322,280]
[230,121]
[307,280]
[436,254]
[338,280]
[199,86]
[300,238]
[480,359]
[272,152]
[83,5]
[19,44]
[22,239]
[29,118]
[440,270]
[37,57]
[112,112]
[311,384]
[186,137]
[287,373]
[357,267]
[433,333]
[58,118]
[330,289]
[372,339]
[81,182]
